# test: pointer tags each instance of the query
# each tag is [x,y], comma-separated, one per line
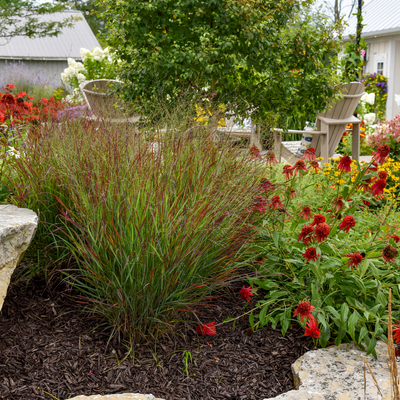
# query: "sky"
[346,4]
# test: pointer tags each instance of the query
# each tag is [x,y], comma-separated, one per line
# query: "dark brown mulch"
[48,345]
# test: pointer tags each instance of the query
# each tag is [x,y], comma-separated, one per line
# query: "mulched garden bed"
[48,345]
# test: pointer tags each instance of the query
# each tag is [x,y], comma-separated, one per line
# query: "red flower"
[309,154]
[381,153]
[389,253]
[255,153]
[318,219]
[315,165]
[383,175]
[312,329]
[270,158]
[276,202]
[338,203]
[266,185]
[206,329]
[347,223]
[373,167]
[288,171]
[259,204]
[300,166]
[366,202]
[394,237]
[246,293]
[304,309]
[355,259]
[322,231]
[306,213]
[345,164]
[292,193]
[377,187]
[304,234]
[311,254]
[396,332]
[11,86]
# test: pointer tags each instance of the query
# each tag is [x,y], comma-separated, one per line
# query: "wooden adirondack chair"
[101,101]
[330,126]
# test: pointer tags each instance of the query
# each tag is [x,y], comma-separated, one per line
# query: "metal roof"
[380,17]
[66,44]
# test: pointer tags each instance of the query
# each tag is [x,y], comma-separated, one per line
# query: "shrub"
[327,247]
[152,223]
[376,83]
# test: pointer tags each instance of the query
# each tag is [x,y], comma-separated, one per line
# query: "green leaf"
[340,336]
[371,346]
[352,322]
[363,332]
[325,335]
[275,236]
[344,310]
[333,312]
[262,316]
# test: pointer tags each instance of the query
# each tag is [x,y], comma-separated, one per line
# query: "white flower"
[98,54]
[13,152]
[368,98]
[106,51]
[369,119]
[70,72]
[81,78]
[79,67]
[85,53]
[63,76]
[71,62]
[98,58]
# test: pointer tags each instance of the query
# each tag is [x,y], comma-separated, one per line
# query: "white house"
[382,33]
[50,54]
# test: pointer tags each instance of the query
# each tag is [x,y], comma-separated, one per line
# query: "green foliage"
[376,83]
[352,60]
[350,303]
[11,12]
[256,55]
[152,223]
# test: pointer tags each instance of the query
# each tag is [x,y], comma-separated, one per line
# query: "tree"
[258,56]
[21,18]
[91,11]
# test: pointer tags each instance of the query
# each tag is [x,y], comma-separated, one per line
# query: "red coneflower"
[377,187]
[373,167]
[306,230]
[389,253]
[381,153]
[288,171]
[292,193]
[276,202]
[254,153]
[246,293]
[366,202]
[355,259]
[270,158]
[266,185]
[318,219]
[306,213]
[347,223]
[207,329]
[345,164]
[322,231]
[304,309]
[338,203]
[312,329]
[311,254]
[300,166]
[315,165]
[259,204]
[366,183]
[383,175]
[309,154]
[394,237]
[396,332]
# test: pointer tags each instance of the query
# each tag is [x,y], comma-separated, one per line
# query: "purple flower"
[367,84]
[380,91]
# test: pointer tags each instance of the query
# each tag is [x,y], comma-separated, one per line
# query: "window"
[380,67]
[380,63]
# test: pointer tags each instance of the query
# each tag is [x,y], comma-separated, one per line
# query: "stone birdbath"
[17,228]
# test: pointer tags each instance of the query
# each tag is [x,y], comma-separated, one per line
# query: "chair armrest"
[294,131]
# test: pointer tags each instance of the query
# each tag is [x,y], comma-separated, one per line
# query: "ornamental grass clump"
[149,222]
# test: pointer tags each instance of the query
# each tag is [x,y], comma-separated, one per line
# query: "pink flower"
[363,52]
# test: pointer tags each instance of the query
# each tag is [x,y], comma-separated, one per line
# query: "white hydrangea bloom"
[106,51]
[81,78]
[71,62]
[79,67]
[63,76]
[98,54]
[98,58]
[368,98]
[70,72]
[85,53]
[369,119]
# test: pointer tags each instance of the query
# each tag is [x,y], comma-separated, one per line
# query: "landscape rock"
[124,396]
[337,373]
[17,228]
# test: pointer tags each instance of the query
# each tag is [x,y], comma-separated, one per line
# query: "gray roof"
[66,44]
[380,17]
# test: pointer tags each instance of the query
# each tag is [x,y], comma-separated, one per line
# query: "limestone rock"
[17,228]
[337,373]
[124,396]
